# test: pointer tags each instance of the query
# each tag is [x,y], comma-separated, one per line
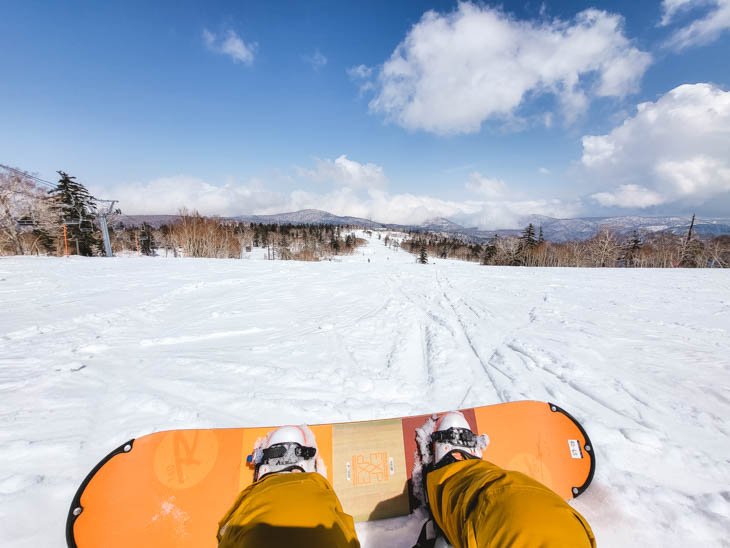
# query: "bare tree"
[718,252]
[603,249]
[28,216]
[200,236]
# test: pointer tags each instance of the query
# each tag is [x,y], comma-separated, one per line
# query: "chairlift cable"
[25,174]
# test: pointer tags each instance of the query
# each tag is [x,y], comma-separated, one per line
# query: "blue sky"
[398,111]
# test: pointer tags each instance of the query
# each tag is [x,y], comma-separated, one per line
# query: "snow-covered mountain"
[556,230]
[563,230]
[560,230]
[309,217]
[440,224]
[155,221]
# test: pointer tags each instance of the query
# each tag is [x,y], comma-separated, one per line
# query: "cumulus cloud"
[485,186]
[168,195]
[376,204]
[512,213]
[230,44]
[498,206]
[700,31]
[316,60]
[629,196]
[674,150]
[346,172]
[456,70]
[494,206]
[406,208]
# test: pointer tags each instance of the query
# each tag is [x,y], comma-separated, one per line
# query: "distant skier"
[473,502]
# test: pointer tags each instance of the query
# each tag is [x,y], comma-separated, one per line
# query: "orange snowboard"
[171,488]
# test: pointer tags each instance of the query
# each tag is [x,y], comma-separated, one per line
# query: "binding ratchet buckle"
[455,436]
[287,453]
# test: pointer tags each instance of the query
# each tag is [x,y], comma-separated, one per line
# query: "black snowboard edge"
[76,508]
[588,448]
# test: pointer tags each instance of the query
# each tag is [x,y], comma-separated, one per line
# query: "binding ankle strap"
[284,470]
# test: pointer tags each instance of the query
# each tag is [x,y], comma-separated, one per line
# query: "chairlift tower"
[104,228]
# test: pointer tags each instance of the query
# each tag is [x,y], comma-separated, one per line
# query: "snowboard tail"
[171,488]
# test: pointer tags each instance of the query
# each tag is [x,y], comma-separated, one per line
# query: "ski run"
[94,352]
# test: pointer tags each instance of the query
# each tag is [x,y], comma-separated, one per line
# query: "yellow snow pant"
[476,503]
[479,504]
[298,510]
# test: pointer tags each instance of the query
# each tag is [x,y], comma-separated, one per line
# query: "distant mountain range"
[556,230]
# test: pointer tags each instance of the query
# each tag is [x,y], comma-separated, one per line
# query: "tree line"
[605,249]
[62,220]
[195,235]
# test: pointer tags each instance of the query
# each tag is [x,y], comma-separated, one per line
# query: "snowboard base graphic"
[170,488]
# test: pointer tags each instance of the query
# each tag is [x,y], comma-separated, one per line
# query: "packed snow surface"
[94,352]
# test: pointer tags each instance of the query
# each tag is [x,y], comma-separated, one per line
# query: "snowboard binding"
[451,440]
[286,449]
[453,434]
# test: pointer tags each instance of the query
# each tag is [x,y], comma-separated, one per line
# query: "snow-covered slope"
[96,351]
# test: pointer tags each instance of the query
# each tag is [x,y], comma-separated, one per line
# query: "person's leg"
[478,504]
[288,510]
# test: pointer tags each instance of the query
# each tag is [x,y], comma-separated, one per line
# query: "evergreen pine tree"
[528,240]
[335,244]
[528,243]
[77,211]
[632,249]
[423,255]
[490,251]
[147,242]
[541,237]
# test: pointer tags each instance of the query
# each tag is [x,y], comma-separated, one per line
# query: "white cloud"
[486,186]
[317,60]
[700,31]
[405,208]
[361,75]
[543,171]
[454,71]
[376,204]
[499,206]
[698,177]
[629,196]
[230,44]
[670,8]
[674,150]
[168,195]
[346,172]
[359,72]
[512,213]
[495,206]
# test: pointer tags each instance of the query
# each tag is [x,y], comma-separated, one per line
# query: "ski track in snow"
[94,352]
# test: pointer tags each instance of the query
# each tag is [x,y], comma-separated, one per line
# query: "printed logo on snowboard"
[372,468]
[184,458]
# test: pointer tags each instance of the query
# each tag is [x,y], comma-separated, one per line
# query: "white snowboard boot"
[286,449]
[453,440]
